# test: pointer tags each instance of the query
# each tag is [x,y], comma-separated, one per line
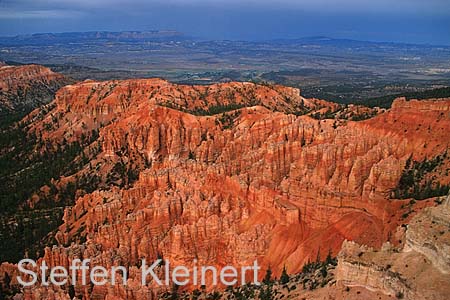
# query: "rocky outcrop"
[429,234]
[23,88]
[417,271]
[227,174]
[353,271]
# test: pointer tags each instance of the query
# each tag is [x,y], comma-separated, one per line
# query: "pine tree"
[329,260]
[284,276]
[266,293]
[268,277]
[174,292]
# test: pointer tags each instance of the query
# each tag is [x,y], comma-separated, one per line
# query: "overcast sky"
[417,21]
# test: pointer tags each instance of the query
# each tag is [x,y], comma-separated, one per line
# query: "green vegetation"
[363,116]
[415,182]
[328,114]
[28,232]
[28,166]
[212,110]
[386,101]
[217,109]
[7,120]
[121,175]
[344,113]
[227,120]
[284,278]
[23,171]
[314,275]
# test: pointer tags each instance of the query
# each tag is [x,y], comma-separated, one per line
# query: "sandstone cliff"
[419,270]
[226,174]
[23,88]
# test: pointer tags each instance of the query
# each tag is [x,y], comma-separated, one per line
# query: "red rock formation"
[28,86]
[253,183]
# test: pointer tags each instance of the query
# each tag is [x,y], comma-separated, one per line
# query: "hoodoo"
[227,174]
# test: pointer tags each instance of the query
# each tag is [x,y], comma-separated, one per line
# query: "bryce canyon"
[232,172]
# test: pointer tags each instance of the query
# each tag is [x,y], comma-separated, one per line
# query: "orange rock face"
[27,87]
[255,182]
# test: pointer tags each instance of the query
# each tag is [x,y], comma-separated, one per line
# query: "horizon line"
[193,37]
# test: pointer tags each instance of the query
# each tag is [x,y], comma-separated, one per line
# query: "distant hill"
[67,37]
[386,101]
[337,42]
[340,70]
[26,87]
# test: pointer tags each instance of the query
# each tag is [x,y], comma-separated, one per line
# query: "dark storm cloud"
[403,20]
[430,6]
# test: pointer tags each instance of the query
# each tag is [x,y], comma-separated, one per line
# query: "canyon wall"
[227,174]
[23,88]
[419,270]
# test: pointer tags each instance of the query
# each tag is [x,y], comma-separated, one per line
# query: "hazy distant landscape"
[333,69]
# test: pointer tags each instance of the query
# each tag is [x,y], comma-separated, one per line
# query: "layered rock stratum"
[23,88]
[226,174]
[419,270]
